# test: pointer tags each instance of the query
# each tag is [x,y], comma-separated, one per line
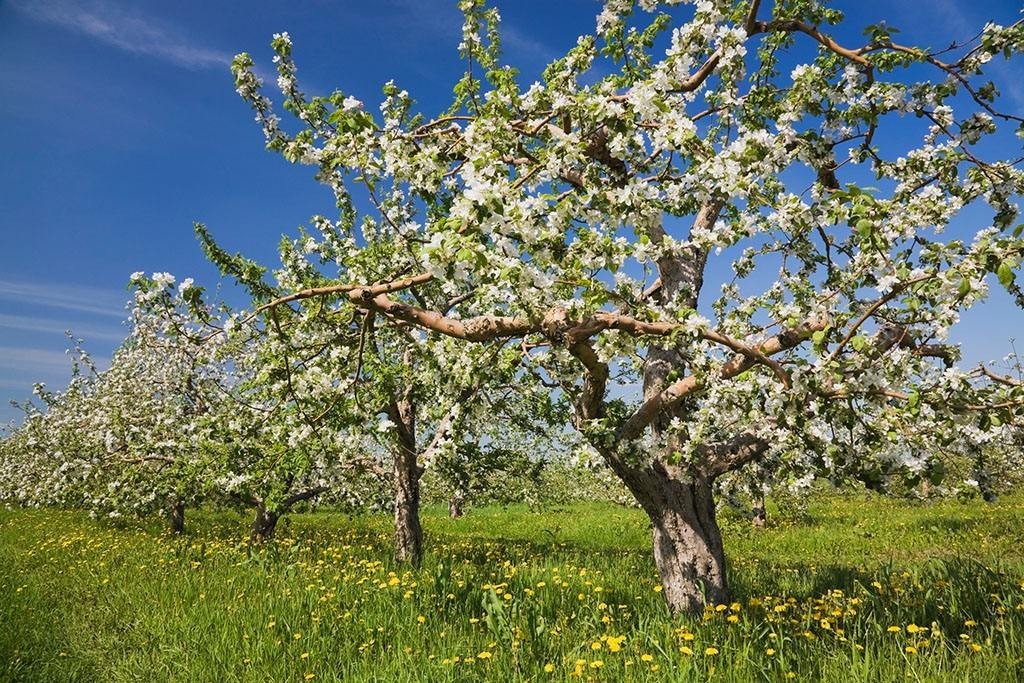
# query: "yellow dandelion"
[578,667]
[484,655]
[646,657]
[549,667]
[711,651]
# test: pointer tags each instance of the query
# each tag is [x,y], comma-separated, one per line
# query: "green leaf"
[1005,274]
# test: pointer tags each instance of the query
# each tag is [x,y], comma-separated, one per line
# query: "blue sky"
[119,127]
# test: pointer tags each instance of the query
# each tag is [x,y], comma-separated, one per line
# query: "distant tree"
[121,441]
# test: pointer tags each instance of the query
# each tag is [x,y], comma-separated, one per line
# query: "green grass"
[816,598]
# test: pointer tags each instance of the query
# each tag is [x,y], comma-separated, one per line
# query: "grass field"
[857,589]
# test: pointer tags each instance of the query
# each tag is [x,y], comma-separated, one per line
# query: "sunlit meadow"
[851,589]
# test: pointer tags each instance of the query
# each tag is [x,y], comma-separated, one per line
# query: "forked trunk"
[176,517]
[687,541]
[263,525]
[408,532]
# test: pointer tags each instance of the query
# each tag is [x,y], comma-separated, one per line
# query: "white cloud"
[954,16]
[123,29]
[49,325]
[39,362]
[524,46]
[70,297]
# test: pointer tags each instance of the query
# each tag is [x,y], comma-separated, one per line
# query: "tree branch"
[674,393]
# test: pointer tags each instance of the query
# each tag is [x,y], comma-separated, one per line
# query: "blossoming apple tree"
[119,441]
[407,398]
[746,235]
[257,445]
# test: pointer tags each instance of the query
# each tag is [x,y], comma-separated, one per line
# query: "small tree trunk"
[408,532]
[984,479]
[263,525]
[455,503]
[760,514]
[176,517]
[988,494]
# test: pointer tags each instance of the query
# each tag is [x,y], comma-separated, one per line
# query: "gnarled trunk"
[176,516]
[263,525]
[688,549]
[408,532]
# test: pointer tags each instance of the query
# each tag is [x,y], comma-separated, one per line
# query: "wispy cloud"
[527,47]
[39,362]
[954,16]
[78,298]
[49,325]
[123,29]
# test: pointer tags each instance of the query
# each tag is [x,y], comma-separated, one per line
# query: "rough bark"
[176,516]
[263,525]
[408,531]
[688,550]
